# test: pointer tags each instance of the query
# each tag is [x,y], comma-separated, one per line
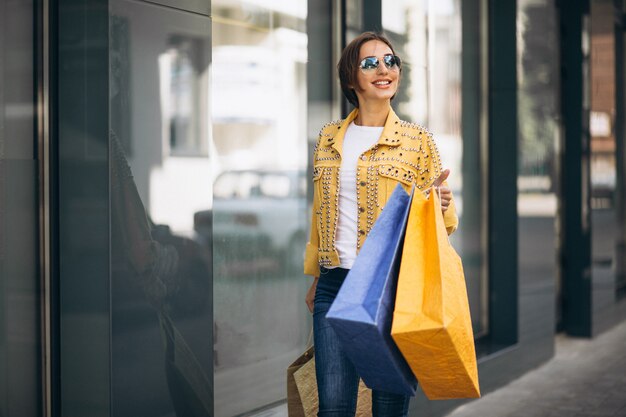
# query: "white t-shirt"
[358,139]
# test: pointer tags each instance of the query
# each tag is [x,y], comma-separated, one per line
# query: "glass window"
[259,112]
[160,194]
[20,291]
[427,35]
[537,179]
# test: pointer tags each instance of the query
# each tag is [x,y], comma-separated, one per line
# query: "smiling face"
[378,84]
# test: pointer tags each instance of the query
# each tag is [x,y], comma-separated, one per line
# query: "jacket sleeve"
[311,265]
[311,262]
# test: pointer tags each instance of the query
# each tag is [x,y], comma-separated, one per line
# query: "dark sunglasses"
[371,62]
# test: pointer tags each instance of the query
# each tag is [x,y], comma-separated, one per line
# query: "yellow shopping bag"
[431,321]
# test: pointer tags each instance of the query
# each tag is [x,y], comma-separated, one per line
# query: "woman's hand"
[445,196]
[444,192]
[310,295]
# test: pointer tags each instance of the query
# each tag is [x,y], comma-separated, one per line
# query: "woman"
[357,163]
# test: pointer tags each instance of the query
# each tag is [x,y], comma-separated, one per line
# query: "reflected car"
[259,221]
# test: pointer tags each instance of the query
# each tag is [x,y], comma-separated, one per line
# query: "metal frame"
[475,128]
[42,87]
[202,7]
[502,175]
[372,15]
[341,42]
[44,39]
[484,117]
[574,217]
[338,22]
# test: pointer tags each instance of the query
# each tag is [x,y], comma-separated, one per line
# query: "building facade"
[155,166]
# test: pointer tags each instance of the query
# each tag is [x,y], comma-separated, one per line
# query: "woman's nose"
[382,68]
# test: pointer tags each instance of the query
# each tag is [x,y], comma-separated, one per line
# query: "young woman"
[358,162]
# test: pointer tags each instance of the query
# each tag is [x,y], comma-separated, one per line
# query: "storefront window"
[160,194]
[428,37]
[537,179]
[259,112]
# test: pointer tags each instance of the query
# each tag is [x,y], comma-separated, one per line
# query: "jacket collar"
[389,137]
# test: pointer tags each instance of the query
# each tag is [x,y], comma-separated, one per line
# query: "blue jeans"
[337,379]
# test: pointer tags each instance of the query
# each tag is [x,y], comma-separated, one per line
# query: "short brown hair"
[349,63]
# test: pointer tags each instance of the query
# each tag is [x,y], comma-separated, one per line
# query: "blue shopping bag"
[363,309]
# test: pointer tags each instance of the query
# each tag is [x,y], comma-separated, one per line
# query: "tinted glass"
[160,201]
[20,332]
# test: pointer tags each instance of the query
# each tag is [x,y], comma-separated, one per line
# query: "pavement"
[585,378]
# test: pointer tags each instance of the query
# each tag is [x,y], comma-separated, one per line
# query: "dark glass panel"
[161,175]
[20,331]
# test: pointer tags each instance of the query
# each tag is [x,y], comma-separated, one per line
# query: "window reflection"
[259,208]
[604,228]
[537,177]
[160,177]
[180,69]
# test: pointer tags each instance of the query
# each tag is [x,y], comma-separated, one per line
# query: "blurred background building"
[155,165]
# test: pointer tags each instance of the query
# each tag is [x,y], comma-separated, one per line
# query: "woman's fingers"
[444,192]
[441,178]
[445,196]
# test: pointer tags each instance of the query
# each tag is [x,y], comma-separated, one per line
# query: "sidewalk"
[586,378]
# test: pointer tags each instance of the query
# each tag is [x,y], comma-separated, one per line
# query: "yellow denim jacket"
[404,154]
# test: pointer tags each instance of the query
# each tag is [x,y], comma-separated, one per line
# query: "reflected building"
[155,187]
